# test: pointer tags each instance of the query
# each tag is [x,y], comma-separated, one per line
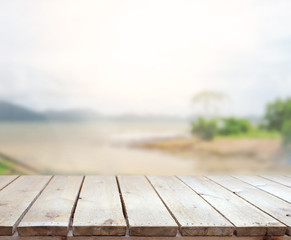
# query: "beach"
[93,147]
[135,148]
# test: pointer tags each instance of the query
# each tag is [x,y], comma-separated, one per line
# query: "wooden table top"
[145,207]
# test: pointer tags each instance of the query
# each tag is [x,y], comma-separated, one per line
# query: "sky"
[144,56]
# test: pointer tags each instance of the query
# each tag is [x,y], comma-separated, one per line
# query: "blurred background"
[145,87]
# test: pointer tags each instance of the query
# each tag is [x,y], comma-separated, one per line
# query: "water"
[93,148]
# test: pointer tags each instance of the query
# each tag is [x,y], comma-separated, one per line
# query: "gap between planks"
[15,203]
[126,218]
[123,206]
[268,186]
[146,213]
[6,180]
[188,209]
[75,205]
[52,211]
[286,181]
[99,210]
[268,203]
[249,221]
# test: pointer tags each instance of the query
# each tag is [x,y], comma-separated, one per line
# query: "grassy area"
[255,133]
[2,170]
[6,167]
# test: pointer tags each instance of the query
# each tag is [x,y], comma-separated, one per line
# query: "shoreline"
[225,155]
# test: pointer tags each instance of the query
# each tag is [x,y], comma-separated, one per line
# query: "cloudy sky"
[143,56]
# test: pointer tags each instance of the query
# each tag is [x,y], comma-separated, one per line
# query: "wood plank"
[269,186]
[280,179]
[16,198]
[248,220]
[36,238]
[146,213]
[178,237]
[51,212]
[99,209]
[268,203]
[194,215]
[5,180]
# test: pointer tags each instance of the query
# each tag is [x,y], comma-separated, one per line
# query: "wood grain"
[99,209]
[268,203]
[248,220]
[5,180]
[146,213]
[194,215]
[51,212]
[16,198]
[280,179]
[177,238]
[269,186]
[71,237]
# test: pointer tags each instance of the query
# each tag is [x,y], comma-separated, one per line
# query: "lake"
[94,147]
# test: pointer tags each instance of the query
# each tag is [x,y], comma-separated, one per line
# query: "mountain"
[72,115]
[13,112]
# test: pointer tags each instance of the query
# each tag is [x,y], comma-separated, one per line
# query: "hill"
[72,115]
[13,112]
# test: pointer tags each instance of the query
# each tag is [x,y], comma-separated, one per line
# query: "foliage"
[6,167]
[276,114]
[278,117]
[286,132]
[204,128]
[255,133]
[234,126]
[229,127]
[276,123]
[3,169]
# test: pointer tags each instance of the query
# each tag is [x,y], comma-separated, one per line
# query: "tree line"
[277,119]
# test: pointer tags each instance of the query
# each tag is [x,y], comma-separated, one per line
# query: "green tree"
[286,132]
[204,128]
[276,114]
[234,126]
[278,117]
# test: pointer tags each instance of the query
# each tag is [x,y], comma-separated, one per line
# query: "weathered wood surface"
[194,215]
[268,203]
[99,210]
[177,238]
[269,186]
[248,220]
[147,215]
[16,198]
[143,208]
[71,237]
[5,180]
[51,212]
[280,179]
